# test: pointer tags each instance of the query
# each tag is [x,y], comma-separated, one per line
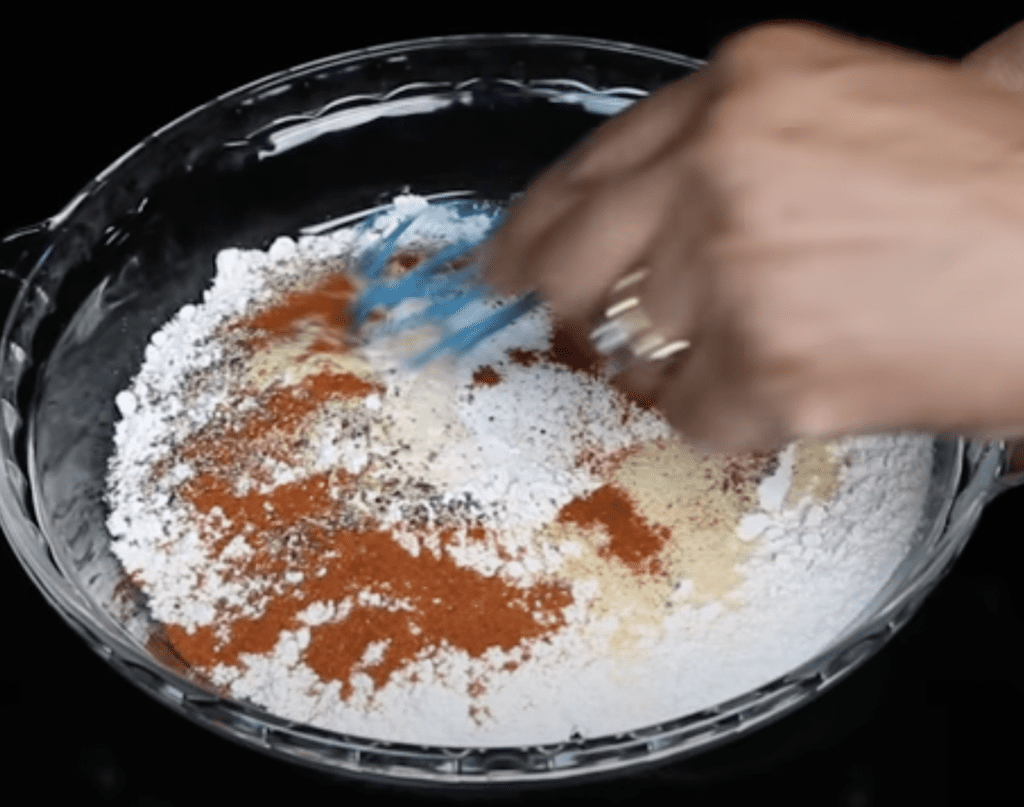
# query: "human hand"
[836,225]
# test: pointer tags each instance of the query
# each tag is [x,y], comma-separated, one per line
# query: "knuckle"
[775,375]
[580,165]
[766,41]
[812,413]
[808,401]
[730,129]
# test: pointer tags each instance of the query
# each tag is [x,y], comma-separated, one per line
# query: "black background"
[931,720]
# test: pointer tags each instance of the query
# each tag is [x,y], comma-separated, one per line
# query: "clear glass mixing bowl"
[303,151]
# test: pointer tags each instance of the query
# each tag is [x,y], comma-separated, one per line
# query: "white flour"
[756,588]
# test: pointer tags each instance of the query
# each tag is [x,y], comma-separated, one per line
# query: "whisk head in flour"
[446,292]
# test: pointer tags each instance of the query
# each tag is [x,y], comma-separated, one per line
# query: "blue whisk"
[458,300]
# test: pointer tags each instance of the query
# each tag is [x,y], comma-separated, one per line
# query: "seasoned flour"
[498,550]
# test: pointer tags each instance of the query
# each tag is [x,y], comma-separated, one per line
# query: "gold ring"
[625,332]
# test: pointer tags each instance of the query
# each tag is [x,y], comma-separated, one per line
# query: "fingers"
[670,297]
[636,136]
[767,48]
[679,257]
[597,165]
[578,257]
[631,195]
[504,253]
[715,408]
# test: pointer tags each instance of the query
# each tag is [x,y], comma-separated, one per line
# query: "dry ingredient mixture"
[497,550]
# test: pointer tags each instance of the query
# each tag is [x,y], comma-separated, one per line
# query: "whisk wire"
[374,268]
[425,281]
[468,337]
[446,293]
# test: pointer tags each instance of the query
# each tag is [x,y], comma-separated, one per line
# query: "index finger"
[623,144]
